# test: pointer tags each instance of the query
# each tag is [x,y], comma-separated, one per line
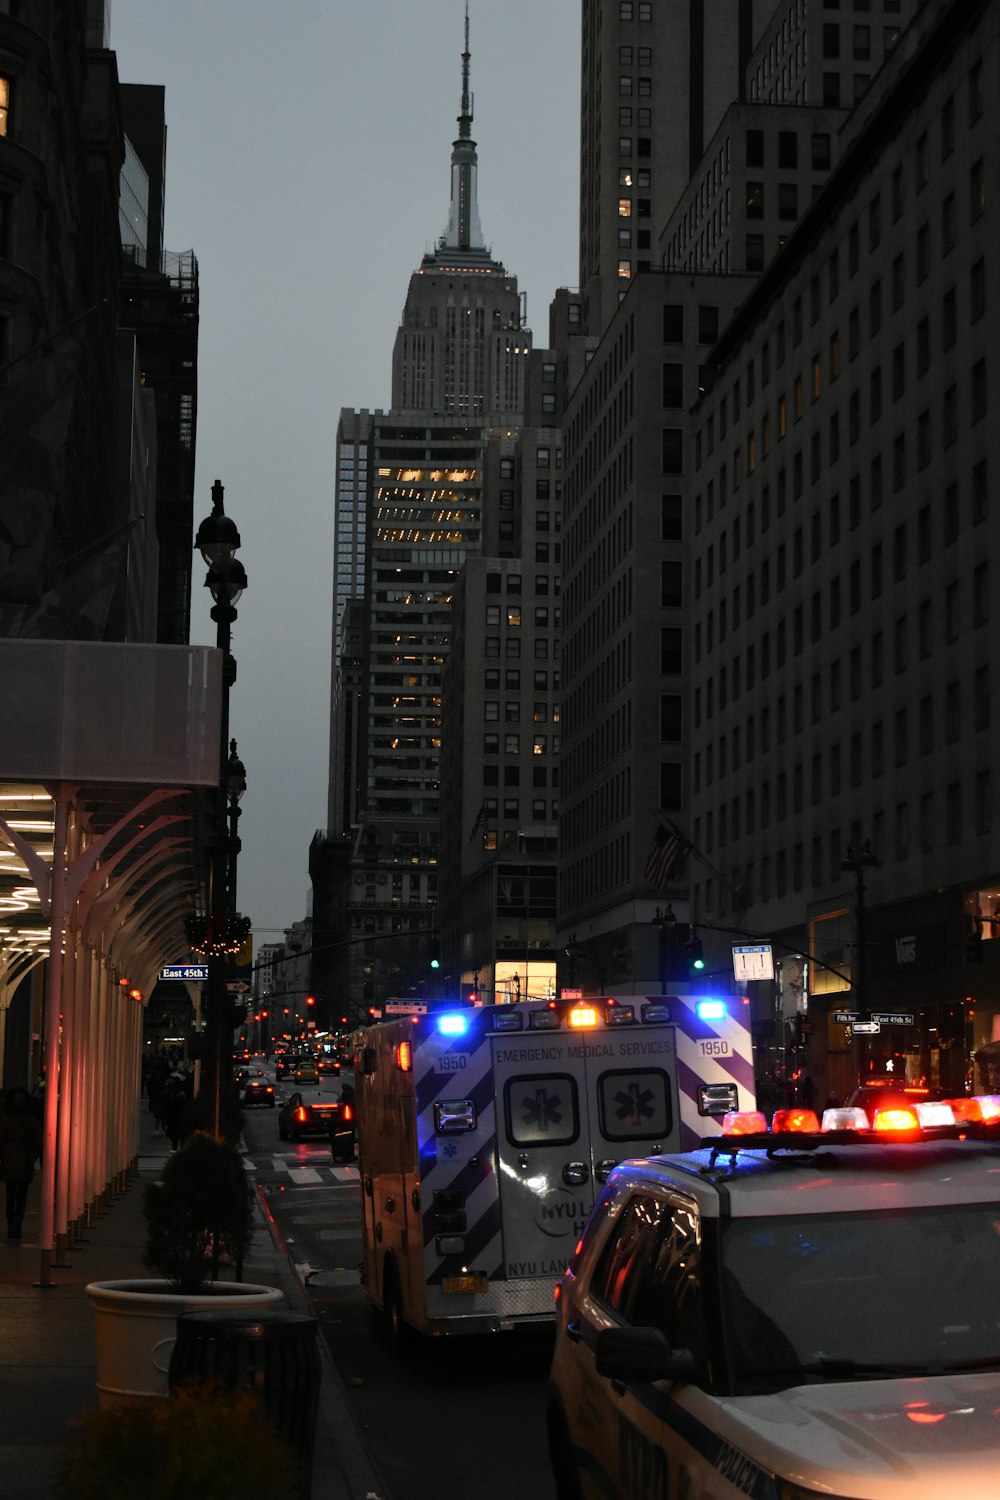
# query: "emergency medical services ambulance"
[789,1314]
[484,1135]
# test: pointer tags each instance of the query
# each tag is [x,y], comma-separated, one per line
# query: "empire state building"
[409,515]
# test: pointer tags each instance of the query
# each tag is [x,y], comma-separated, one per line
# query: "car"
[889,1095]
[258,1094]
[787,1316]
[306,1072]
[283,1066]
[329,1067]
[299,1118]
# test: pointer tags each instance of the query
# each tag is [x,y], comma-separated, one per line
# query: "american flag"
[667,856]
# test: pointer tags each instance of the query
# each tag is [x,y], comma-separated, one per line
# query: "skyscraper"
[415,474]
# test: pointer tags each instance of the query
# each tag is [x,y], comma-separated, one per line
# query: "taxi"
[794,1311]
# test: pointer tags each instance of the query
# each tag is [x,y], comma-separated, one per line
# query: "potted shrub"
[200,1212]
[201,1444]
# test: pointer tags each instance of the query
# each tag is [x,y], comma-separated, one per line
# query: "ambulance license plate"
[464,1284]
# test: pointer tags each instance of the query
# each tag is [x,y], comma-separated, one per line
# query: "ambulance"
[485,1135]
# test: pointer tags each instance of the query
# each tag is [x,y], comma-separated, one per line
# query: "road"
[459,1415]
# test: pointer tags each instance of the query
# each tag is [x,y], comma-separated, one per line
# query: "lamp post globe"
[217,537]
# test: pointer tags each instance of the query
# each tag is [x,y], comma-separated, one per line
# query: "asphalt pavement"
[48,1369]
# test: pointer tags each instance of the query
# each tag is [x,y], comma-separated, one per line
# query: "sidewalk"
[48,1370]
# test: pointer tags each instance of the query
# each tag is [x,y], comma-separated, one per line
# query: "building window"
[672,450]
[788,200]
[671,718]
[755,200]
[671,584]
[4,103]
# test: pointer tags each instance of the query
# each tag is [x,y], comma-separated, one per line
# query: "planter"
[135,1324]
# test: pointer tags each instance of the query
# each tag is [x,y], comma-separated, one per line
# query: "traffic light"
[435,958]
[694,955]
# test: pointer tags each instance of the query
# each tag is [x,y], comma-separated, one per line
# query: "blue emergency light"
[452,1023]
[711,1010]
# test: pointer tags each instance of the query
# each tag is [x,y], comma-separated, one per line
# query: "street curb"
[340,1443]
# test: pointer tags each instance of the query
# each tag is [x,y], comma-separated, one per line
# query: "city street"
[426,1417]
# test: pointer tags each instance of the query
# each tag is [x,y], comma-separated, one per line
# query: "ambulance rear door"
[570,1105]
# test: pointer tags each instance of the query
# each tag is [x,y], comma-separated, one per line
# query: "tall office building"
[657,77]
[791,546]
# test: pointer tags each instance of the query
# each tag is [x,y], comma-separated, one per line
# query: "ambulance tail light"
[507,1019]
[794,1120]
[619,1015]
[404,1056]
[656,1014]
[846,1117]
[744,1122]
[582,1017]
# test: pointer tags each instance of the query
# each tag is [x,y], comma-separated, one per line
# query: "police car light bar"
[976,1118]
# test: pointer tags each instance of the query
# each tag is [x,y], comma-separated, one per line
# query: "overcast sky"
[308,166]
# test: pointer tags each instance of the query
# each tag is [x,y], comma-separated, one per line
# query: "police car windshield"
[808,1298]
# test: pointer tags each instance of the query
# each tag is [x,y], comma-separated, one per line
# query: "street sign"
[846,1017]
[405,1008]
[753,962]
[194,972]
[892,1018]
[238,987]
[865,1028]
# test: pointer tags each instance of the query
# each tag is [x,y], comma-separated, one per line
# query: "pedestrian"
[173,1106]
[20,1148]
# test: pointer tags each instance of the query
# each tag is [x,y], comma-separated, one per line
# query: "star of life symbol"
[543,1110]
[635,1106]
[449,1149]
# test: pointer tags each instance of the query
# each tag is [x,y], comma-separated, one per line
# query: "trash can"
[272,1353]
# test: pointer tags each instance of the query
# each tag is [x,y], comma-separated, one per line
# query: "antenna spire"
[464,231]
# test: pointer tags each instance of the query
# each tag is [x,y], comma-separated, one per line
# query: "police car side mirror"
[641,1354]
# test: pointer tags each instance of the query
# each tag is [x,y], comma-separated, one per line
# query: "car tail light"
[348,1112]
[301,1113]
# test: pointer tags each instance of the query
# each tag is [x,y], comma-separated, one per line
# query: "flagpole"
[736,892]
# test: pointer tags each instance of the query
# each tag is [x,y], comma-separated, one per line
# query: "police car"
[792,1312]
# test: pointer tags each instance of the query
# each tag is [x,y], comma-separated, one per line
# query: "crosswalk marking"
[302,1175]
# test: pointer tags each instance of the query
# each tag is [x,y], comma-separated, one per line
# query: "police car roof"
[832,1179]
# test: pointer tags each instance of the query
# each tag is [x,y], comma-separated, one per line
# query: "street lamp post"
[857,861]
[217,541]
